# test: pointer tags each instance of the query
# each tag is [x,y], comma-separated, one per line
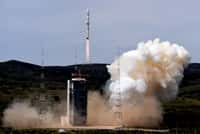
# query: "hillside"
[24,75]
[19,80]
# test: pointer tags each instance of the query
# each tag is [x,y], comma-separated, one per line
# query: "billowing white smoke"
[153,70]
[141,79]
[22,114]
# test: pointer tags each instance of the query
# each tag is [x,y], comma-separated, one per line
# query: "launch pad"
[89,129]
[114,128]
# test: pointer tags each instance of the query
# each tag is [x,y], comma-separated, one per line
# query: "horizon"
[21,61]
[68,64]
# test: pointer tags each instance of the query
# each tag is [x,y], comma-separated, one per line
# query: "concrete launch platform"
[114,128]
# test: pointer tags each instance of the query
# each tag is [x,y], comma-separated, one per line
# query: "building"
[77,100]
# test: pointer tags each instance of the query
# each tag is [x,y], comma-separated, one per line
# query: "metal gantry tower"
[87,47]
[77,98]
[118,104]
[42,98]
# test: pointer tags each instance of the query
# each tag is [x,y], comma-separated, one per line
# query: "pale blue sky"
[26,25]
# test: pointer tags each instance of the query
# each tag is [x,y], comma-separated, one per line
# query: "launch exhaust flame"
[146,76]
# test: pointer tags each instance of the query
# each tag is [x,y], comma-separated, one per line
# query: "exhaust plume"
[144,78]
[140,81]
[22,115]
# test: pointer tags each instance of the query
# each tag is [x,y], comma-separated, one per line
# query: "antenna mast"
[42,85]
[87,49]
[41,97]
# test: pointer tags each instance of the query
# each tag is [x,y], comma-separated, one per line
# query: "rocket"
[87,48]
[87,24]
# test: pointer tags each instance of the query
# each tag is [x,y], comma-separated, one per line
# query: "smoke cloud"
[100,113]
[140,81]
[143,78]
[21,115]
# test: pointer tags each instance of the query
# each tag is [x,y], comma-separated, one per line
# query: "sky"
[58,26]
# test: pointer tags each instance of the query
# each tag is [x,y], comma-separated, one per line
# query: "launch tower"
[77,99]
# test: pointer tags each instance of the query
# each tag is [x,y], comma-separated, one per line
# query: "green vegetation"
[20,80]
[182,112]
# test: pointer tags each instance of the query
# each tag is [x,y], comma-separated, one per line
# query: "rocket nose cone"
[88,11]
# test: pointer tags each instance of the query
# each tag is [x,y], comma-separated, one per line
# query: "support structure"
[42,98]
[118,103]
[42,76]
[77,100]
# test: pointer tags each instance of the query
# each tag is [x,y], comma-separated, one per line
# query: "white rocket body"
[87,48]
